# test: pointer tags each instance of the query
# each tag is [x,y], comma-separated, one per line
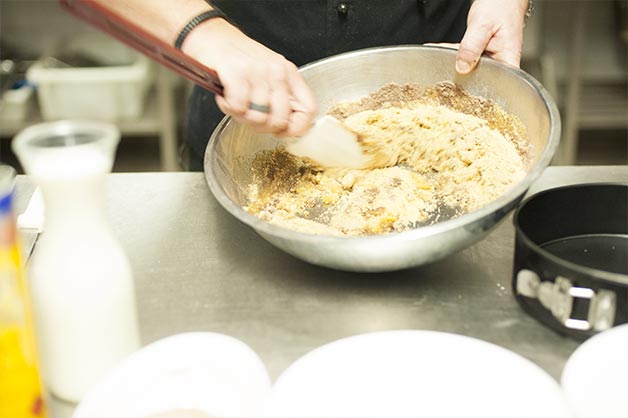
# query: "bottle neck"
[74,205]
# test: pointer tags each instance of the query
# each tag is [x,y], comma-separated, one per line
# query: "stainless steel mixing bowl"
[353,75]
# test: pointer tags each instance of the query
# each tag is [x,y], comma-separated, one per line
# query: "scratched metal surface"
[199,269]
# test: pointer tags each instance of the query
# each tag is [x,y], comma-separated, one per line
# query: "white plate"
[415,374]
[595,378]
[212,374]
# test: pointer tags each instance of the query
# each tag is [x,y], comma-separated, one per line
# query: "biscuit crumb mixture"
[437,150]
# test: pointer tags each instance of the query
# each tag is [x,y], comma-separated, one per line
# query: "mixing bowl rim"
[512,195]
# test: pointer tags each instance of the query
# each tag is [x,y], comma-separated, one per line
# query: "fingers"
[503,45]
[259,107]
[473,44]
[279,118]
[235,99]
[272,99]
[510,54]
[494,27]
[260,87]
[304,107]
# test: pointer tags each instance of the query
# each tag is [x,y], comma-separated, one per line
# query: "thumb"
[472,46]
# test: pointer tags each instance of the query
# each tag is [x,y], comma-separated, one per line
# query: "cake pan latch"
[560,296]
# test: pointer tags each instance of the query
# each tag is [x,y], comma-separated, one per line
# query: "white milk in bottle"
[81,280]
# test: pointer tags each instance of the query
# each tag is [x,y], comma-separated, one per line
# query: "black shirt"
[307,30]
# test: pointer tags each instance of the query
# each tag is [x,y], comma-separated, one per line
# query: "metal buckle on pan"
[558,297]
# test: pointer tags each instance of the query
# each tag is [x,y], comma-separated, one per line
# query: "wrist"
[196,42]
[196,24]
[516,9]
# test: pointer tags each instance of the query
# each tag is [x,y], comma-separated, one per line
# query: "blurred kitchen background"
[578,50]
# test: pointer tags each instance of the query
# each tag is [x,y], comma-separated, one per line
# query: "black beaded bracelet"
[210,14]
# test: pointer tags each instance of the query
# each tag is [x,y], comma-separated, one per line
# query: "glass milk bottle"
[81,282]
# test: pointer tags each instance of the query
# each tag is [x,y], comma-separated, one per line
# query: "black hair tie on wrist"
[210,14]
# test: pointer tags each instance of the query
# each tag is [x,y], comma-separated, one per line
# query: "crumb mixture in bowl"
[436,153]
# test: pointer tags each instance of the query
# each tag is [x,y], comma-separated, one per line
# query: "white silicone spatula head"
[330,144]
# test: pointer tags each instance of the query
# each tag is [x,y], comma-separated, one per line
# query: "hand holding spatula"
[328,143]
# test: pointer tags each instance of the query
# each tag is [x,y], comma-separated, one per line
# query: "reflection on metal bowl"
[353,75]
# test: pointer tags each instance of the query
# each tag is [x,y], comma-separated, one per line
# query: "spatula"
[328,143]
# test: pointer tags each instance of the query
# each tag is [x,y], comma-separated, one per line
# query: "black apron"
[307,30]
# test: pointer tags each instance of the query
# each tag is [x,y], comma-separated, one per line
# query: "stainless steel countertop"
[199,269]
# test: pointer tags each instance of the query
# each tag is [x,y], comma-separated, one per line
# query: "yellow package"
[20,387]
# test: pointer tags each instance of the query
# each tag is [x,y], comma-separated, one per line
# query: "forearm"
[253,77]
[162,18]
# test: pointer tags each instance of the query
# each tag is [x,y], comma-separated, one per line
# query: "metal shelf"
[146,124]
[591,68]
[158,119]
[603,106]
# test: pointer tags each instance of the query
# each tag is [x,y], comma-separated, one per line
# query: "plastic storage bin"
[91,78]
